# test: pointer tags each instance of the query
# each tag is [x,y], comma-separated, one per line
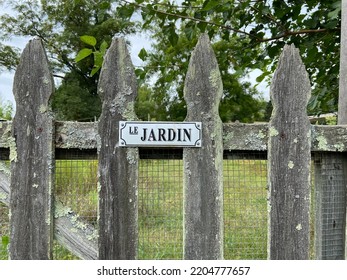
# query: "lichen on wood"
[289,157]
[236,136]
[80,241]
[203,178]
[118,166]
[32,153]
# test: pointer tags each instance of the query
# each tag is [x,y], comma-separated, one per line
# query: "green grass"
[160,209]
[161,202]
[76,187]
[4,241]
[245,209]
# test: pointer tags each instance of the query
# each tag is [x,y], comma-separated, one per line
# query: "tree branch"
[285,34]
[299,32]
[58,76]
[226,27]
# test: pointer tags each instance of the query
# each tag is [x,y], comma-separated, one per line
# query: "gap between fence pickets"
[78,237]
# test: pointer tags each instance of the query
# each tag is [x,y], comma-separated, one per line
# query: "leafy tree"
[256,32]
[170,63]
[246,35]
[8,57]
[148,107]
[61,24]
[6,110]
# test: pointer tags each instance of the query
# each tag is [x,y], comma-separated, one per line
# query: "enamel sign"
[159,134]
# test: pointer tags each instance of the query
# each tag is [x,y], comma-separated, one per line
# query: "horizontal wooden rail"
[236,136]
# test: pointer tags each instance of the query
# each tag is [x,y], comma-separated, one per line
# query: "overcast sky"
[6,78]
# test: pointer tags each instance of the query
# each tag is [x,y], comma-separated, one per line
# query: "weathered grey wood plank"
[203,167]
[72,233]
[289,155]
[236,136]
[76,135]
[5,181]
[32,157]
[245,137]
[5,133]
[118,167]
[76,235]
[342,105]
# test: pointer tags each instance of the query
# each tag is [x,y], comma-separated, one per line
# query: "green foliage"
[98,54]
[6,110]
[83,54]
[148,107]
[256,32]
[62,25]
[332,120]
[76,99]
[4,242]
[246,35]
[60,253]
[9,57]
[169,63]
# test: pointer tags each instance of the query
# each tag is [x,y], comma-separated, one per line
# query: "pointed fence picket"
[118,167]
[289,160]
[32,157]
[30,140]
[203,175]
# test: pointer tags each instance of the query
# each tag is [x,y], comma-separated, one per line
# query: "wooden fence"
[293,146]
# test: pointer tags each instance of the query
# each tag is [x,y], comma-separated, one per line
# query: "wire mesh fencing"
[76,187]
[4,231]
[161,202]
[4,222]
[160,206]
[245,206]
[329,205]
[160,198]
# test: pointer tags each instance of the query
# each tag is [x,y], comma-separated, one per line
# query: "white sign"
[159,134]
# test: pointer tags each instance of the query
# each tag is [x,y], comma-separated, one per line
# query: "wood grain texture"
[342,105]
[118,166]
[236,136]
[70,231]
[289,156]
[203,167]
[32,157]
